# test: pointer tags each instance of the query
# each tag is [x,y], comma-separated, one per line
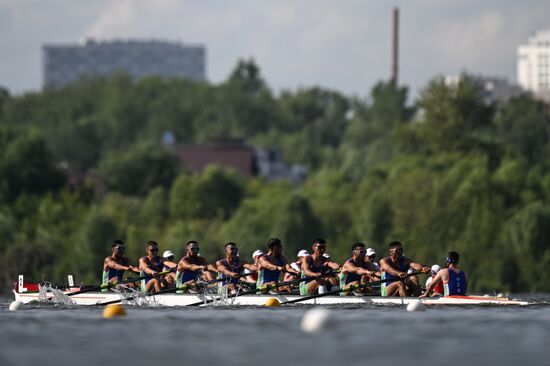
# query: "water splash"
[48,295]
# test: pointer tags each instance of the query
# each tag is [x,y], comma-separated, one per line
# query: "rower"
[355,272]
[271,265]
[252,276]
[170,278]
[296,266]
[115,265]
[150,265]
[438,289]
[370,259]
[232,266]
[317,264]
[396,266]
[455,280]
[190,267]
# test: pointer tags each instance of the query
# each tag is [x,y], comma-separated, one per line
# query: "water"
[365,335]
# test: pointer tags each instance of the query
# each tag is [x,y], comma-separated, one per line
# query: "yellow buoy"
[113,311]
[272,302]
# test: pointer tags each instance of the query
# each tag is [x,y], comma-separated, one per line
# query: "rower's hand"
[234,274]
[402,275]
[425,270]
[279,268]
[153,273]
[423,295]
[204,268]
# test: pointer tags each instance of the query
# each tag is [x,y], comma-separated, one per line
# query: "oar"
[363,285]
[170,290]
[128,280]
[263,288]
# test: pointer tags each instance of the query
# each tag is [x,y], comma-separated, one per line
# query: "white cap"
[303,253]
[326,255]
[257,253]
[370,252]
[435,268]
[167,253]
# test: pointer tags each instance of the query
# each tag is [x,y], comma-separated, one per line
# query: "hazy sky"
[344,45]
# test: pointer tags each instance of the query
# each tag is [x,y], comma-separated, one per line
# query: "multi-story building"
[63,64]
[534,65]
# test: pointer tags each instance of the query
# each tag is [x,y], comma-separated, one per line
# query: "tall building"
[534,65]
[63,64]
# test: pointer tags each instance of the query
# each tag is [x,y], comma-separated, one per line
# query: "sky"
[342,45]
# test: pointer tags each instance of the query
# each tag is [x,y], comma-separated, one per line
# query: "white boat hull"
[97,298]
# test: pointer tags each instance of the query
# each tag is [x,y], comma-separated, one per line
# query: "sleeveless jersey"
[237,268]
[457,283]
[322,267]
[186,276]
[156,265]
[110,274]
[346,278]
[266,275]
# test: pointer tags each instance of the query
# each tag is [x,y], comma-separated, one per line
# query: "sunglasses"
[233,249]
[195,249]
[121,248]
[362,252]
[154,250]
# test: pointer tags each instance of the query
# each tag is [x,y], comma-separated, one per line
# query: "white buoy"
[16,305]
[416,306]
[314,320]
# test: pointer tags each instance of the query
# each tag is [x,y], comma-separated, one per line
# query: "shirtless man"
[232,267]
[315,265]
[395,266]
[150,265]
[115,265]
[355,271]
[455,280]
[191,266]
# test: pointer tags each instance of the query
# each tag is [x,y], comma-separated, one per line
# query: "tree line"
[449,172]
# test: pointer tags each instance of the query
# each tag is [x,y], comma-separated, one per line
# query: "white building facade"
[534,65]
[63,64]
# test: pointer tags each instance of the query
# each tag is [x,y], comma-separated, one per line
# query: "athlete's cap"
[435,268]
[370,252]
[303,253]
[257,253]
[167,254]
[326,256]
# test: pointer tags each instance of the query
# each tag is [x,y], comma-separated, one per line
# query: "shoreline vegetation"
[447,172]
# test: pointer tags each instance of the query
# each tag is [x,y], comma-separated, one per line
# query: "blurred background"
[421,121]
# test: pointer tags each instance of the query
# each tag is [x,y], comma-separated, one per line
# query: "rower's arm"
[333,265]
[264,263]
[185,265]
[419,267]
[250,267]
[387,268]
[352,268]
[145,268]
[170,264]
[222,268]
[110,263]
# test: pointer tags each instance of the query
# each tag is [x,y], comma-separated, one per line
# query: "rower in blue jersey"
[191,268]
[272,264]
[150,266]
[231,267]
[395,266]
[455,280]
[115,265]
[355,271]
[317,264]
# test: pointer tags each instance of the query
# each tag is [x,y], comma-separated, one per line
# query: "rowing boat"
[28,292]
[97,298]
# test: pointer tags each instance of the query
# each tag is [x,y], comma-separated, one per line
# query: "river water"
[361,335]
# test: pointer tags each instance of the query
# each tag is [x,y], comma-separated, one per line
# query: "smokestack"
[395,46]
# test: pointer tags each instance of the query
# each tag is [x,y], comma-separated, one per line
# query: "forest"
[447,171]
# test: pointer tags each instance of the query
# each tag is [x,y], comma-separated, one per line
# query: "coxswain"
[150,266]
[455,280]
[115,265]
[271,265]
[370,259]
[354,271]
[232,267]
[317,264]
[438,289]
[395,266]
[190,268]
